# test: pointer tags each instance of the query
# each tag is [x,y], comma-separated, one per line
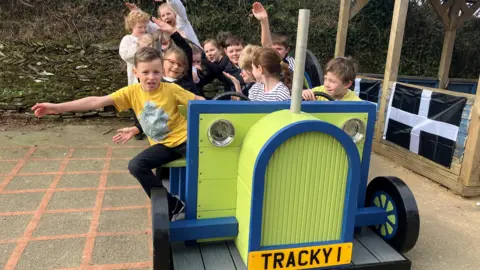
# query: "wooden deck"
[369,252]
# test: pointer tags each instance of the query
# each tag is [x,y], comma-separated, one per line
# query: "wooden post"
[446,60]
[393,59]
[342,30]
[453,13]
[470,172]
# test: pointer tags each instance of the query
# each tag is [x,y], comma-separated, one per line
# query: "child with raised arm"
[156,105]
[174,13]
[340,74]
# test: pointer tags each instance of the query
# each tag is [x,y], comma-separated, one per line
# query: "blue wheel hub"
[383,200]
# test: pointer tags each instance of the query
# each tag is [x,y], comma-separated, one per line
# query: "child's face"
[139,29]
[212,52]
[149,74]
[282,51]
[167,15]
[173,68]
[233,52]
[335,86]
[247,76]
[196,59]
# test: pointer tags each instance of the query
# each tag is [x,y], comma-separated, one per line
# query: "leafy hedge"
[87,22]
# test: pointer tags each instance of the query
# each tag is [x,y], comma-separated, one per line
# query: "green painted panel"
[305,191]
[217,194]
[216,213]
[244,201]
[338,119]
[218,162]
[241,123]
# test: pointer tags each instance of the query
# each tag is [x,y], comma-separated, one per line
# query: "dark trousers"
[153,158]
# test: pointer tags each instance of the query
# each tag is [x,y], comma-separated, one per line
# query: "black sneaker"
[179,208]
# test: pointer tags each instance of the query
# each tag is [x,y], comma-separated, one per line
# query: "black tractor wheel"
[402,226]
[162,252]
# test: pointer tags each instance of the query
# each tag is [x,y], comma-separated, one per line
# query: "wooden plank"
[393,58]
[237,259]
[369,78]
[342,30]
[443,91]
[187,257]
[355,9]
[406,77]
[446,58]
[216,256]
[378,247]
[418,164]
[470,173]
[360,255]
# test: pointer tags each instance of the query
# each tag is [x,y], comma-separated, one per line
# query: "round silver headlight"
[355,128]
[221,133]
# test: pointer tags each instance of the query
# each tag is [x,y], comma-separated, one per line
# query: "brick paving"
[72,208]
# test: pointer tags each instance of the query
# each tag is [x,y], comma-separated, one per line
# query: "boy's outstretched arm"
[261,14]
[84,104]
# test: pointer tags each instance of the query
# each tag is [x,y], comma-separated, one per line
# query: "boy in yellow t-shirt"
[155,105]
[337,81]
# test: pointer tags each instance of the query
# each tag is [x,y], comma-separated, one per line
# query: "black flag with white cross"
[367,89]
[425,122]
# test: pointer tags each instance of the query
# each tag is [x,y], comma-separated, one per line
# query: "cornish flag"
[367,90]
[425,122]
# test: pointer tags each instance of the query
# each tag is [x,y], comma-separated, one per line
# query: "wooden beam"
[342,30]
[442,11]
[446,59]
[393,59]
[470,172]
[467,13]
[359,5]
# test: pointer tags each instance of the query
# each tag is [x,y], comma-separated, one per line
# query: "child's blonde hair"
[147,40]
[135,17]
[179,54]
[163,6]
[246,57]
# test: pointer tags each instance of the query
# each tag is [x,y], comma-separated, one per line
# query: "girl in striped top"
[269,72]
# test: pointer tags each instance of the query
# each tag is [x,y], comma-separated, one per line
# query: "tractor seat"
[182,162]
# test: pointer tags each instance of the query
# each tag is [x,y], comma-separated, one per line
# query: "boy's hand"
[43,109]
[125,134]
[259,12]
[164,27]
[131,6]
[308,95]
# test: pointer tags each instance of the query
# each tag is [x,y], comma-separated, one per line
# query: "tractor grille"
[305,185]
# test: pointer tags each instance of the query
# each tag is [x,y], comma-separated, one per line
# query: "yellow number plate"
[301,258]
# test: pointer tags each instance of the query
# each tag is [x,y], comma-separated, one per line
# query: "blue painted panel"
[353,176]
[370,216]
[301,245]
[174,180]
[182,182]
[184,230]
